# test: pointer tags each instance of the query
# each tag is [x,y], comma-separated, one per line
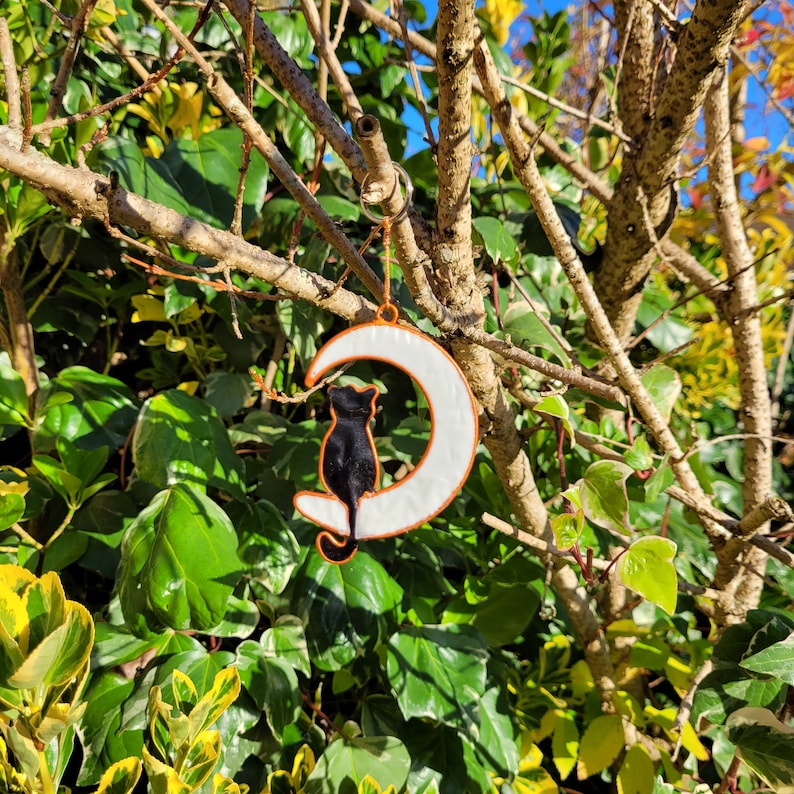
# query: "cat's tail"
[335,549]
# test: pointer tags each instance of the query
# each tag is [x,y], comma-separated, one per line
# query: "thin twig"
[298,397]
[13,96]
[79,25]
[782,366]
[409,59]
[565,107]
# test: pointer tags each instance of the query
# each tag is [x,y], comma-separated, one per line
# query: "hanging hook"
[409,193]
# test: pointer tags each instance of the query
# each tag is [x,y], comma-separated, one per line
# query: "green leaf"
[12,508]
[146,176]
[499,244]
[303,324]
[601,742]
[766,745]
[604,496]
[647,568]
[660,480]
[439,672]
[267,546]
[207,171]
[346,608]
[664,387]
[65,484]
[346,763]
[286,640]
[179,562]
[497,745]
[554,405]
[180,439]
[276,690]
[85,406]
[640,456]
[567,528]
[775,660]
[13,398]
[521,324]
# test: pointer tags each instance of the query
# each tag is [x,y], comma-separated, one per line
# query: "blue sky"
[759,122]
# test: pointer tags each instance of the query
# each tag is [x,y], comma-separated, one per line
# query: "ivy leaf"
[496,747]
[521,324]
[647,568]
[567,527]
[604,498]
[286,640]
[766,745]
[640,456]
[439,672]
[554,405]
[660,480]
[346,763]
[664,387]
[499,244]
[775,660]
[352,607]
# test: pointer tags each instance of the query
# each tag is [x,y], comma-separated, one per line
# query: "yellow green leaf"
[61,655]
[147,307]
[121,777]
[565,743]
[368,785]
[225,690]
[163,779]
[201,759]
[636,773]
[185,694]
[303,765]
[223,785]
[601,743]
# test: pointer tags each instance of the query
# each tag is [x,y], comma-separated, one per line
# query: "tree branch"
[526,171]
[85,194]
[741,591]
[301,90]
[644,201]
[13,95]
[227,98]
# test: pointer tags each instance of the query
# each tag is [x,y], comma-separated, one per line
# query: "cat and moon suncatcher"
[353,510]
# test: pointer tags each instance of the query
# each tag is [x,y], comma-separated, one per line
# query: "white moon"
[449,456]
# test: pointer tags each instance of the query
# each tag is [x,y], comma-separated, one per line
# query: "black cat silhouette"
[348,461]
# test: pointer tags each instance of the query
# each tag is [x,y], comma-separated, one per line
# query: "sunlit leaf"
[647,568]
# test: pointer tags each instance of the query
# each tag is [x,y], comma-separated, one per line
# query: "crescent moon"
[449,456]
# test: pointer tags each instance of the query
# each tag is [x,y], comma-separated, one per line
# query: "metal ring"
[409,193]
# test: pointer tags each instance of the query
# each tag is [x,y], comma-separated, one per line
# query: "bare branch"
[328,56]
[526,171]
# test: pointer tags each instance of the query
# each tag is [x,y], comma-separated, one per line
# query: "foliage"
[145,475]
